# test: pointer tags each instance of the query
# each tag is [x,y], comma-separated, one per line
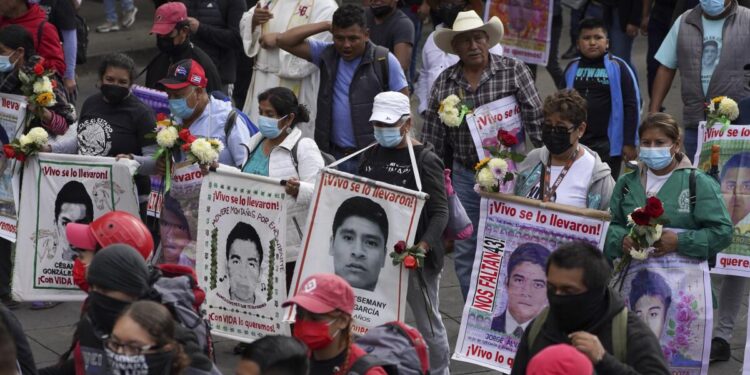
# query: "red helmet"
[115,227]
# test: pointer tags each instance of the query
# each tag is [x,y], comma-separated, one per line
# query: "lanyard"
[548,191]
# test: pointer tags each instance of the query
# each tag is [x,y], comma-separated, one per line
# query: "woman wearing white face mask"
[270,153]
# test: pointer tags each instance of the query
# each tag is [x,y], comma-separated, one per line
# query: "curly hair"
[568,104]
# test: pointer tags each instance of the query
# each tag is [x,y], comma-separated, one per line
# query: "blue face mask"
[269,126]
[388,137]
[179,107]
[712,7]
[5,64]
[656,158]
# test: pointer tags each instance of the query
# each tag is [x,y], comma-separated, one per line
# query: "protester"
[623,18]
[590,9]
[62,14]
[274,67]
[274,355]
[205,115]
[18,53]
[43,34]
[655,23]
[590,183]
[613,102]
[114,122]
[172,29]
[118,276]
[215,27]
[389,27]
[560,359]
[341,123]
[389,161]
[435,60]
[110,11]
[583,311]
[325,304]
[707,230]
[708,25]
[270,153]
[15,348]
[477,78]
[114,227]
[144,337]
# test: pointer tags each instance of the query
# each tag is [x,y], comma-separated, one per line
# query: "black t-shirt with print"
[392,166]
[592,82]
[109,130]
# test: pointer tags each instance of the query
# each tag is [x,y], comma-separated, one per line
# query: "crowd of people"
[286,85]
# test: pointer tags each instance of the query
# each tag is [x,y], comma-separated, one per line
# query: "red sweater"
[48,46]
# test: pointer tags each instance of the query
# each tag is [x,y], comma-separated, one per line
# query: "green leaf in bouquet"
[516,157]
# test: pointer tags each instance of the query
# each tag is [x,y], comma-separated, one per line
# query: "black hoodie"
[644,355]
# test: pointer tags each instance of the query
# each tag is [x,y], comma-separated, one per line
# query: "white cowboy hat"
[468,21]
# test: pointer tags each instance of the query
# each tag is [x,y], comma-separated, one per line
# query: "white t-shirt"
[574,188]
[654,182]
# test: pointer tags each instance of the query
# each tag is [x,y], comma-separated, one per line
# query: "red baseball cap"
[323,293]
[560,359]
[183,73]
[167,16]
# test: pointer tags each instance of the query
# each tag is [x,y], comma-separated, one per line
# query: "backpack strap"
[363,364]
[381,60]
[536,327]
[691,189]
[295,157]
[620,335]
[231,118]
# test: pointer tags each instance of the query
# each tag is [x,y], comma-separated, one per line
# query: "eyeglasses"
[129,349]
[559,128]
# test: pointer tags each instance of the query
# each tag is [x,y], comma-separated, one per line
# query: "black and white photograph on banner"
[240,263]
[354,225]
[59,190]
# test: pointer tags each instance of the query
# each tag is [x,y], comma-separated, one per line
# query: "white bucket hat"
[468,21]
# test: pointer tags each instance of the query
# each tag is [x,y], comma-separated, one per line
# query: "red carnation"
[410,262]
[161,116]
[186,147]
[654,207]
[399,247]
[20,156]
[10,153]
[185,135]
[506,139]
[39,69]
[641,217]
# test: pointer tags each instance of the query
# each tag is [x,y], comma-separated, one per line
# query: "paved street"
[50,331]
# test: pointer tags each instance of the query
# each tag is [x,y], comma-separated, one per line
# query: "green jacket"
[708,228]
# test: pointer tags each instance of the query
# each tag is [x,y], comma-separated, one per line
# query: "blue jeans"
[110,10]
[464,250]
[691,142]
[620,44]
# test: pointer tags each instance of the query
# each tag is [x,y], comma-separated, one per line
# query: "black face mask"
[146,364]
[448,13]
[556,143]
[104,311]
[381,11]
[578,311]
[114,94]
[166,45]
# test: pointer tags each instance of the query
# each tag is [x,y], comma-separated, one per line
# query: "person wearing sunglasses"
[144,338]
[564,171]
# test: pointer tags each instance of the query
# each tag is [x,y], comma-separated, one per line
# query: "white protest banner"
[12,115]
[177,211]
[240,263]
[485,121]
[59,189]
[514,239]
[528,26]
[353,225]
[734,170]
[672,294]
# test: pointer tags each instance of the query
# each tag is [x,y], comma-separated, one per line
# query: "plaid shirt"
[503,77]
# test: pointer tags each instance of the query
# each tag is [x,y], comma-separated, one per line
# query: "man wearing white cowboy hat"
[478,78]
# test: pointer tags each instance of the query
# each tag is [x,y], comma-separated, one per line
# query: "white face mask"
[6,65]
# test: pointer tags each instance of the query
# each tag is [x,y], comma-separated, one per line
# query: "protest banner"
[485,121]
[240,263]
[354,224]
[508,282]
[177,211]
[12,116]
[734,176]
[672,294]
[528,26]
[59,189]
